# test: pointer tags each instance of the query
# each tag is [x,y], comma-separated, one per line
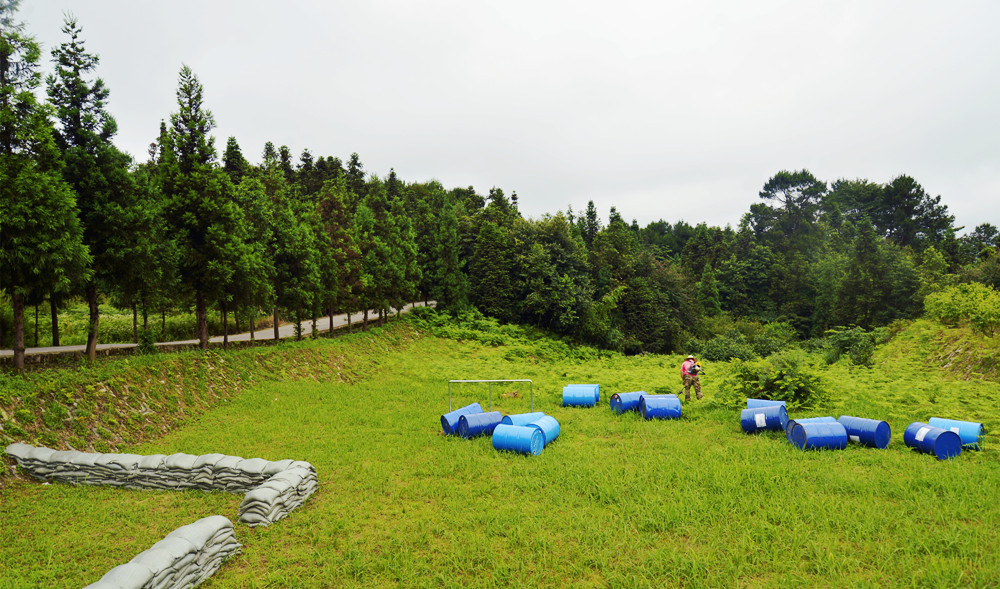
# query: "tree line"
[300,238]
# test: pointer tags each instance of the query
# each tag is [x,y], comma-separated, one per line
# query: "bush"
[976,303]
[789,376]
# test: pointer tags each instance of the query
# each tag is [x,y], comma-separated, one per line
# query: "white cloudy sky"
[672,110]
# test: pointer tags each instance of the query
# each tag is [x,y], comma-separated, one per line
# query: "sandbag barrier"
[272,489]
[184,558]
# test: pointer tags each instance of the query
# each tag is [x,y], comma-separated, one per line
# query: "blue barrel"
[449,421]
[521,418]
[579,396]
[477,424]
[819,435]
[755,403]
[594,388]
[519,438]
[771,417]
[867,432]
[622,402]
[972,434]
[791,423]
[933,440]
[660,407]
[549,427]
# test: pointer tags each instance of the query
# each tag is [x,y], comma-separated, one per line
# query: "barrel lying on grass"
[660,407]
[867,432]
[757,403]
[581,395]
[791,423]
[771,417]
[622,402]
[971,433]
[933,440]
[519,438]
[817,435]
[521,418]
[478,424]
[449,421]
[548,426]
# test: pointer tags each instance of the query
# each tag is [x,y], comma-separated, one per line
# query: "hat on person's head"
[690,357]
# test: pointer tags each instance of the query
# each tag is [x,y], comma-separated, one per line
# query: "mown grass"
[615,501]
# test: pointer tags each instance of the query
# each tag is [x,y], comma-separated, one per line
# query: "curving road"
[284,331]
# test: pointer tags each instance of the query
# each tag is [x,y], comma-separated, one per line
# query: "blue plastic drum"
[755,403]
[622,402]
[549,427]
[791,423]
[771,417]
[521,418]
[660,407]
[928,439]
[449,421]
[519,438]
[477,424]
[579,396]
[972,433]
[819,435]
[867,432]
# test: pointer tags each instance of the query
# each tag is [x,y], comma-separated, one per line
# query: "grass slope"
[615,501]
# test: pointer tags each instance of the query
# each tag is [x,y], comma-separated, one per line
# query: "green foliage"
[741,339]
[791,376]
[858,343]
[975,303]
[146,341]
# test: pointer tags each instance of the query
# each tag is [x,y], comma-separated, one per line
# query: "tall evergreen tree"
[96,170]
[41,242]
[233,162]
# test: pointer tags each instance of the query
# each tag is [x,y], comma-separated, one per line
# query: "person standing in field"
[690,369]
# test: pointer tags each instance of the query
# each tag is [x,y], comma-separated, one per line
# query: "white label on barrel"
[856,439]
[760,419]
[923,432]
[955,429]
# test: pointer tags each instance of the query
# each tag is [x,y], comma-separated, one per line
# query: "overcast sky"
[665,110]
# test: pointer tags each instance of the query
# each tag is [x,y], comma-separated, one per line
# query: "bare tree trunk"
[331,317]
[298,324]
[54,311]
[314,332]
[201,314]
[348,321]
[365,328]
[145,315]
[276,338]
[253,321]
[135,323]
[18,301]
[94,322]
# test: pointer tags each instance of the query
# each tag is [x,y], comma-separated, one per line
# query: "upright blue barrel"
[518,438]
[755,403]
[579,396]
[791,423]
[771,417]
[449,421]
[521,418]
[549,427]
[867,432]
[622,402]
[972,433]
[819,435]
[660,407]
[933,440]
[477,424]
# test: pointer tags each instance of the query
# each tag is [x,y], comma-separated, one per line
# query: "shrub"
[789,376]
[976,303]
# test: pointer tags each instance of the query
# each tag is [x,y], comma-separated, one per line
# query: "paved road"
[284,331]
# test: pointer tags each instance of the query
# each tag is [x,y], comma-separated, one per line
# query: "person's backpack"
[694,368]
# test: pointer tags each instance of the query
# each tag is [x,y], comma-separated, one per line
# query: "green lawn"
[615,501]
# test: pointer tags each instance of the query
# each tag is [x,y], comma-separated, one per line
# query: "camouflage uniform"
[690,380]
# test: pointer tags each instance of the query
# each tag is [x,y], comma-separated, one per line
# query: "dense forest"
[296,237]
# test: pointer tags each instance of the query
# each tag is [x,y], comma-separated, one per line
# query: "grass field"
[614,502]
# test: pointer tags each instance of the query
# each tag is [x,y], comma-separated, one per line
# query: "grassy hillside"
[615,501]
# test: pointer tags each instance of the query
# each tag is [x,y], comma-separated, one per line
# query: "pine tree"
[233,162]
[41,242]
